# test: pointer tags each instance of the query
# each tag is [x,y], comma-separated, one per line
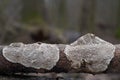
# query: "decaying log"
[87,54]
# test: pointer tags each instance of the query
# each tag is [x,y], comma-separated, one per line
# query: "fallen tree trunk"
[79,56]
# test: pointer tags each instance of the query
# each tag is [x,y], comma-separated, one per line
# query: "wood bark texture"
[87,54]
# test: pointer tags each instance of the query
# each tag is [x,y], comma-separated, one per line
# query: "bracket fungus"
[88,54]
[32,55]
[93,51]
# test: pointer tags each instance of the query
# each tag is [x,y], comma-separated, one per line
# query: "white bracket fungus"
[95,52]
[32,55]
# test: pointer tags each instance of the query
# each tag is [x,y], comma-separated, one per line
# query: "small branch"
[88,54]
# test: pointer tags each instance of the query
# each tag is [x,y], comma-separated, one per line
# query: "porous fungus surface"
[93,51]
[32,55]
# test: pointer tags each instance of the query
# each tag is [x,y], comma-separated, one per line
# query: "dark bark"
[63,65]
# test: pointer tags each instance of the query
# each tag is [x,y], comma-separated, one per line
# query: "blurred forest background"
[58,21]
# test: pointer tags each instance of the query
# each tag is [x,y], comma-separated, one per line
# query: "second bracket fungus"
[32,55]
[93,51]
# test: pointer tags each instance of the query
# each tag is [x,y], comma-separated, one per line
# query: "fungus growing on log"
[91,50]
[32,55]
[87,54]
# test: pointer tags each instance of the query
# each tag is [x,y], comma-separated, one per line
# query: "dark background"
[58,21]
